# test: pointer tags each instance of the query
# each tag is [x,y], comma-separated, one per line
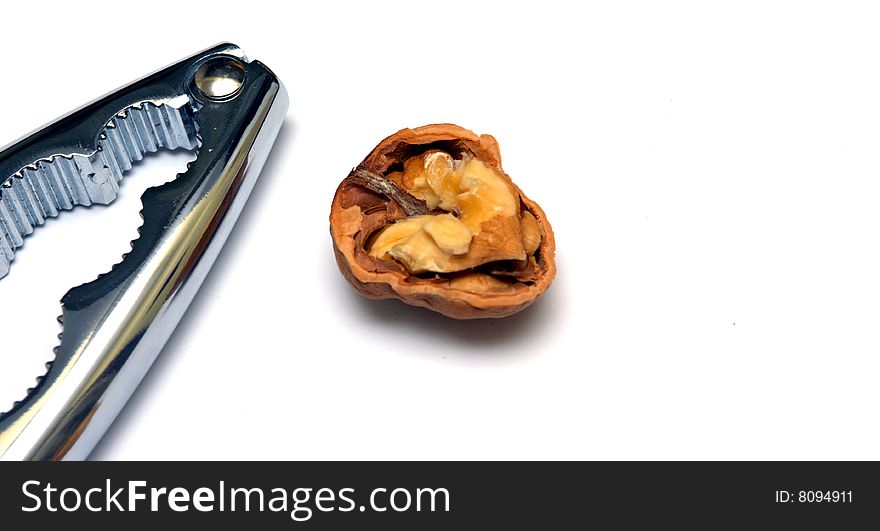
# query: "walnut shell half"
[467,254]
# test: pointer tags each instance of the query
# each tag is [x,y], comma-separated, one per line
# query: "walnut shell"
[359,211]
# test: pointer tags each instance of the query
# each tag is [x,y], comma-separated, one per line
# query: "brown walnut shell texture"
[357,214]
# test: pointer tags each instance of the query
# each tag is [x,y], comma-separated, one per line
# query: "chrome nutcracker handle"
[217,103]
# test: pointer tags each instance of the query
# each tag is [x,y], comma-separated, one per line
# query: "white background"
[712,173]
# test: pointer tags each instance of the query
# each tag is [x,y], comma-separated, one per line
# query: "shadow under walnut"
[463,281]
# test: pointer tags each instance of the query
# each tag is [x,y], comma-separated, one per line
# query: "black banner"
[440,495]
